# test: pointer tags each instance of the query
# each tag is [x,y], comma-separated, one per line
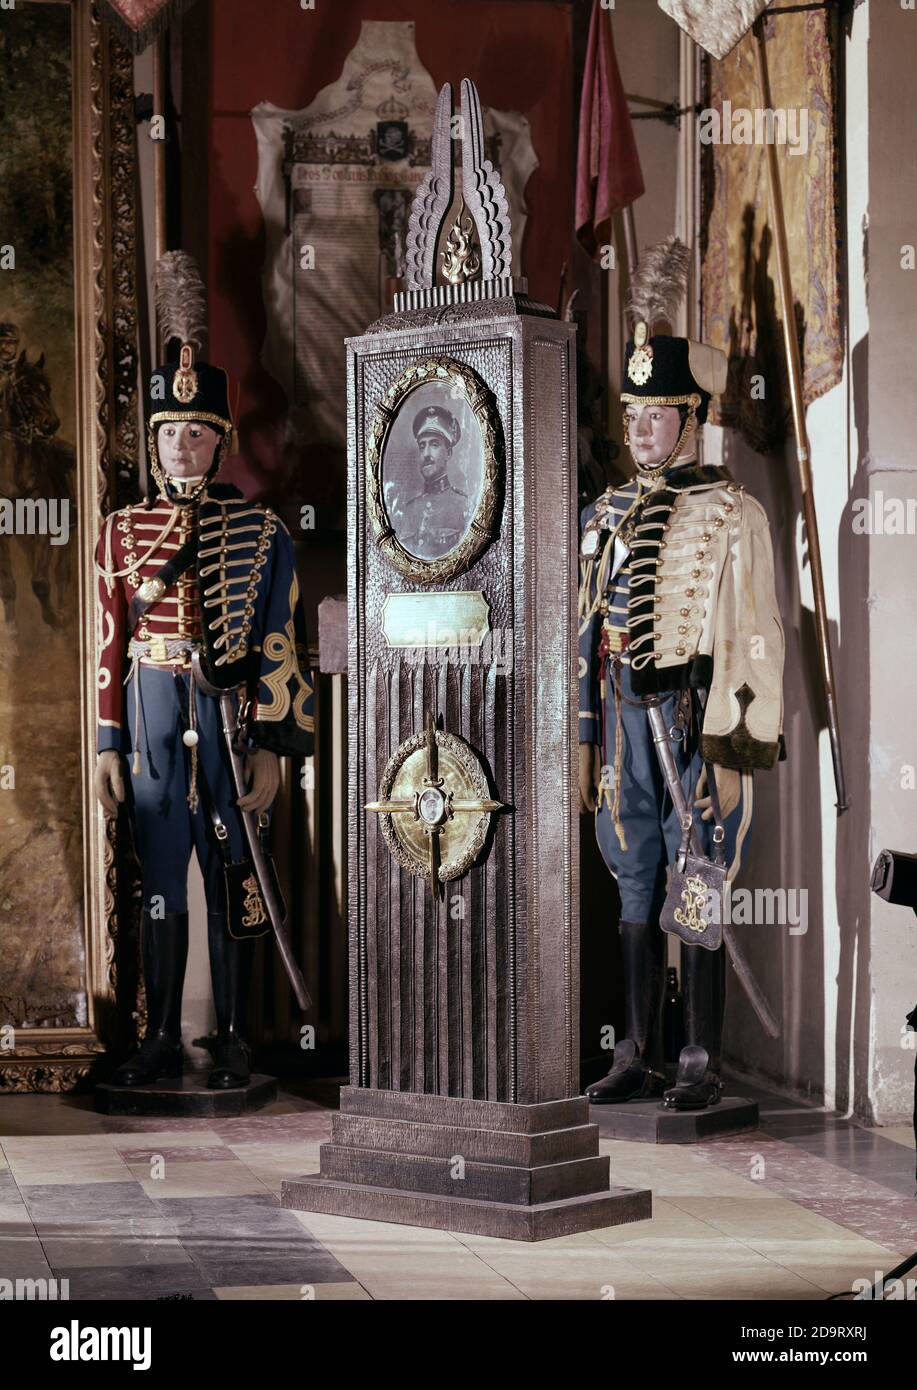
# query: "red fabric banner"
[608,174]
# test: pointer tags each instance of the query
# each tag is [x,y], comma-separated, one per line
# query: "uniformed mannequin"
[233,597]
[676,599]
[435,519]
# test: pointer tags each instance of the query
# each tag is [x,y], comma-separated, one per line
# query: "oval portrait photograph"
[433,469]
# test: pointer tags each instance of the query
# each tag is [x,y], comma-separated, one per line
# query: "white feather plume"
[181,300]
[660,283]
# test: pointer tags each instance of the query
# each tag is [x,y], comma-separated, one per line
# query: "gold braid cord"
[280,647]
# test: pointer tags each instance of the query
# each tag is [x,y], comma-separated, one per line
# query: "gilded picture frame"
[38,1051]
[444,389]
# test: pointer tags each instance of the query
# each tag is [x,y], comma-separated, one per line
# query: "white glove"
[263,769]
[729,787]
[108,780]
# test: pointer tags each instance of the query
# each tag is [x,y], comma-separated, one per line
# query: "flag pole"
[794,373]
[630,238]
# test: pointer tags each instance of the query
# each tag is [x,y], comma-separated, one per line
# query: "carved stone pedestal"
[524,1172]
[463,1110]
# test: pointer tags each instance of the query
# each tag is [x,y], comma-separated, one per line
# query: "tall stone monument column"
[463,1109]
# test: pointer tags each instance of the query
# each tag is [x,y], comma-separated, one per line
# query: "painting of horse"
[34,464]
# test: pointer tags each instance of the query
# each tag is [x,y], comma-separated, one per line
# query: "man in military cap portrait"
[435,520]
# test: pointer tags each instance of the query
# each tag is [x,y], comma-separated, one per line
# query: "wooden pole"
[160,241]
[794,372]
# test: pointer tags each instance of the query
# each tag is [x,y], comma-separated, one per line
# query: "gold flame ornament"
[460,257]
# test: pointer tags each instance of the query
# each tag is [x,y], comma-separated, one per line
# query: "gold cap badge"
[184,385]
[640,366]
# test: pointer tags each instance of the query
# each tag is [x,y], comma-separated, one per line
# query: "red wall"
[518,52]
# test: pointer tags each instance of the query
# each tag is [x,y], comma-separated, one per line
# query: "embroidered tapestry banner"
[335,183]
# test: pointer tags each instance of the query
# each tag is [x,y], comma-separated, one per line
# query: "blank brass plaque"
[458,618]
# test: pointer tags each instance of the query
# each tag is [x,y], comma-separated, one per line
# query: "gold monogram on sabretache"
[694,900]
[255,914]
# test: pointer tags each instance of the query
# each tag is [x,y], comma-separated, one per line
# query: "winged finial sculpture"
[483,195]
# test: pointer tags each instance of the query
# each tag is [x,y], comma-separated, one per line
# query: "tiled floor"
[148,1209]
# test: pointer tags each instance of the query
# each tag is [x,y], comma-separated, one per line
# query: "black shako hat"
[186,389]
[661,370]
[189,390]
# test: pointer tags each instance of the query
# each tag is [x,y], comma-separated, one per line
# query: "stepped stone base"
[524,1172]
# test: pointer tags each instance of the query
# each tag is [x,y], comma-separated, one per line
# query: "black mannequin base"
[186,1095]
[648,1122]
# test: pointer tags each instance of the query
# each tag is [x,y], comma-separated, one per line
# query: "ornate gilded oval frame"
[480,531]
[461,761]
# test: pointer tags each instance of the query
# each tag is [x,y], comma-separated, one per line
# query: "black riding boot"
[230,972]
[631,1076]
[164,944]
[697,1083]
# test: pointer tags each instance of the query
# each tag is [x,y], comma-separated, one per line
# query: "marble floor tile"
[250,1240]
[14,1217]
[14,1220]
[121,1207]
[119,1125]
[165,1138]
[899,1134]
[22,1257]
[292,1292]
[33,1114]
[754,1281]
[832,1264]
[84,1251]
[146,1154]
[268,1264]
[277,1129]
[889,1222]
[199,1178]
[62,1168]
[393,1261]
[743,1217]
[272,1164]
[42,1142]
[136,1282]
[669,1224]
[556,1269]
